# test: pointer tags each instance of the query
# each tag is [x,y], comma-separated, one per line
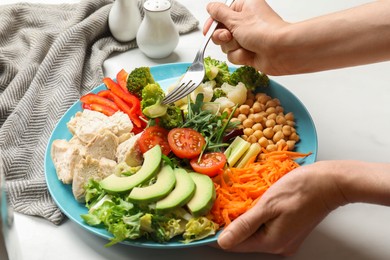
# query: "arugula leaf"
[211,125]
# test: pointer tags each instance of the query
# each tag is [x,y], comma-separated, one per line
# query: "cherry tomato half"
[185,142]
[154,135]
[210,164]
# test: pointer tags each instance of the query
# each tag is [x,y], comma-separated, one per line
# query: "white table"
[351,110]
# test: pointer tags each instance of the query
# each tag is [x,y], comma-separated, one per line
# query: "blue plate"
[166,75]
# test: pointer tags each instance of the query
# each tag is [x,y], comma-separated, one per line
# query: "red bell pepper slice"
[92,98]
[121,78]
[102,109]
[122,106]
[86,106]
[130,99]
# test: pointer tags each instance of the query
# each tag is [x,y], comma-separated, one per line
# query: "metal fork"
[195,73]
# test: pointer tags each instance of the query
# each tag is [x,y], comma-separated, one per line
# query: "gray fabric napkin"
[49,56]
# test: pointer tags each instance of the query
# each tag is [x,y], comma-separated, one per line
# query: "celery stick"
[253,151]
[235,150]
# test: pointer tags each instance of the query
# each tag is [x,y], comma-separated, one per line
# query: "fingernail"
[225,239]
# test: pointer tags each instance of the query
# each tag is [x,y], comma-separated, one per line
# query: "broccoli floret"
[172,119]
[138,79]
[218,92]
[151,94]
[251,78]
[216,70]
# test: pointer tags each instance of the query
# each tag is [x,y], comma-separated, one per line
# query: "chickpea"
[263,113]
[277,128]
[258,134]
[286,130]
[289,116]
[257,107]
[290,123]
[270,123]
[263,99]
[257,118]
[244,137]
[278,136]
[270,110]
[241,117]
[271,103]
[290,144]
[259,94]
[248,123]
[272,116]
[281,143]
[244,109]
[251,116]
[257,126]
[294,137]
[280,120]
[268,132]
[248,131]
[252,139]
[279,109]
[263,142]
[271,147]
[251,110]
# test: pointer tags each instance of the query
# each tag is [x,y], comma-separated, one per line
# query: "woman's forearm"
[366,182]
[356,181]
[347,38]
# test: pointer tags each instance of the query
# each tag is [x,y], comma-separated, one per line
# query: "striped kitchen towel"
[49,56]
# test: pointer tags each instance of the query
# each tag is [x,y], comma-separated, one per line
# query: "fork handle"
[212,28]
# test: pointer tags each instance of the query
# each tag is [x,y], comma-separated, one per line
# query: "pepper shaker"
[157,35]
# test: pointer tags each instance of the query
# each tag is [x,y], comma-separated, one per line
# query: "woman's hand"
[291,208]
[249,31]
[286,213]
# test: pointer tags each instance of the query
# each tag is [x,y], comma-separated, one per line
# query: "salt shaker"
[157,35]
[124,20]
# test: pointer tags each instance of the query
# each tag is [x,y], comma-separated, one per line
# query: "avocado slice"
[150,167]
[162,187]
[180,195]
[204,197]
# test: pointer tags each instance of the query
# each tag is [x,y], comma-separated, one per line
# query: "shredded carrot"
[238,189]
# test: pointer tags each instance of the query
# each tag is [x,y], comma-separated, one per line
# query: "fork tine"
[190,81]
[179,92]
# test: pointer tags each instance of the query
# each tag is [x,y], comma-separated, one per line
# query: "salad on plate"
[178,171]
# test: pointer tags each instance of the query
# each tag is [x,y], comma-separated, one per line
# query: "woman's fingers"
[221,13]
[240,229]
[222,36]
[207,25]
